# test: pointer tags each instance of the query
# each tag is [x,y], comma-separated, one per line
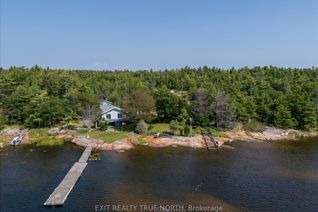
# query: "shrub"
[3,121]
[254,126]
[72,125]
[197,130]
[174,126]
[103,125]
[216,133]
[186,130]
[141,127]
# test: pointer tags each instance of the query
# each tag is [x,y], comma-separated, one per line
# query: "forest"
[282,97]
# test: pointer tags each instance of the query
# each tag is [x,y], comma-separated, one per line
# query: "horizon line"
[165,69]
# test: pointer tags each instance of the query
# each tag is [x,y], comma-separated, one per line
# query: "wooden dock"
[60,193]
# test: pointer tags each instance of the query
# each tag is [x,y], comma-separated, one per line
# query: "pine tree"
[308,116]
[283,117]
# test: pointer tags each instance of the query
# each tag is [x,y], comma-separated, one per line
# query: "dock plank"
[85,154]
[61,192]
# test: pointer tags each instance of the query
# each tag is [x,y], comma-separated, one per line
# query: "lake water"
[251,177]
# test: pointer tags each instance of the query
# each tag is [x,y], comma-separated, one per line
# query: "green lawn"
[38,132]
[159,127]
[107,137]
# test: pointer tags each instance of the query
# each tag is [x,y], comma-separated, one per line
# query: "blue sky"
[125,34]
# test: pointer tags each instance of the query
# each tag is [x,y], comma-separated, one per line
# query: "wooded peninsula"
[282,97]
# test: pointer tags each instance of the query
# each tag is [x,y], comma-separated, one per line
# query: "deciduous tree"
[139,104]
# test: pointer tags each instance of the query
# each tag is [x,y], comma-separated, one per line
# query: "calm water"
[252,177]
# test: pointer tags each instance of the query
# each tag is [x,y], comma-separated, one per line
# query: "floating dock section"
[59,195]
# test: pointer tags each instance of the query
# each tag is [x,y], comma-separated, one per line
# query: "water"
[252,177]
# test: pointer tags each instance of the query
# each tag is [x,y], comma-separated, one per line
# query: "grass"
[214,132]
[106,137]
[81,132]
[39,137]
[142,141]
[8,126]
[159,127]
[39,132]
[164,127]
[75,124]
[254,126]
[49,141]
[2,142]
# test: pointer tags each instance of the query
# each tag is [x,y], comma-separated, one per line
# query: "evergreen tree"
[283,117]
[308,116]
[272,95]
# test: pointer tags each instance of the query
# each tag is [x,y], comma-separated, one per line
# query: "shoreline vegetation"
[50,107]
[120,141]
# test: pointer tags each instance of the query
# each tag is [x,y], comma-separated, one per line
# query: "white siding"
[113,113]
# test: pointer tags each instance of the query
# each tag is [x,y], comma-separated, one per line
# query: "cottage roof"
[106,106]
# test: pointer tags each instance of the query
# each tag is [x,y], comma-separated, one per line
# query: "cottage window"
[119,115]
[108,116]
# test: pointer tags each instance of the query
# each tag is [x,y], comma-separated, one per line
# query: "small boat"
[16,140]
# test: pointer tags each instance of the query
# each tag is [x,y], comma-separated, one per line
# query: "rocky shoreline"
[133,140]
[269,134]
[120,145]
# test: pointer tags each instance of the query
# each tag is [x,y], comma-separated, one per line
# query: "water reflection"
[253,176]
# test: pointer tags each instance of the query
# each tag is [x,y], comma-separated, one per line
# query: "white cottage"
[110,113]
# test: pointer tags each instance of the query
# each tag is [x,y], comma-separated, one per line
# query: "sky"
[161,34]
